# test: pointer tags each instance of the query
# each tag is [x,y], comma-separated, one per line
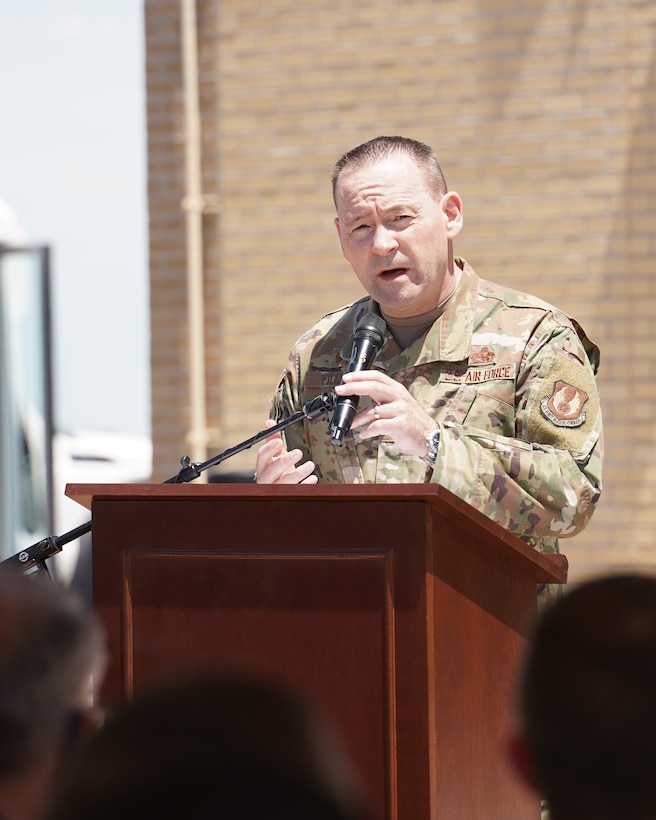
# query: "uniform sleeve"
[546,481]
[285,403]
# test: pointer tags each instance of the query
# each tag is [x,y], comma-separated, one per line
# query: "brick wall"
[544,118]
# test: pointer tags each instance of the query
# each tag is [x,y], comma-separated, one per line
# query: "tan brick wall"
[544,119]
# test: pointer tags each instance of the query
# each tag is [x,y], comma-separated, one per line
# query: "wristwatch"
[432,442]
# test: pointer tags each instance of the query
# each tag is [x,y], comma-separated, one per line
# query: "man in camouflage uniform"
[484,390]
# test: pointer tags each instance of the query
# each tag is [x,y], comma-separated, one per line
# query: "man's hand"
[275,465]
[394,413]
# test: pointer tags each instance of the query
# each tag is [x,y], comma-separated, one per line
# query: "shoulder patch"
[564,407]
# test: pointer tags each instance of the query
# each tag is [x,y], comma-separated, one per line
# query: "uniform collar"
[448,340]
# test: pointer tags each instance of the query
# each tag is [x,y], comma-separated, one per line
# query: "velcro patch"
[564,410]
[564,407]
[479,375]
[317,380]
[481,355]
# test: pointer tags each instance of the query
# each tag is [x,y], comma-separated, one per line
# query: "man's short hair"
[588,700]
[380,148]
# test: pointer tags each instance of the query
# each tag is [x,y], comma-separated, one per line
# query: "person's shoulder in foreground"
[586,706]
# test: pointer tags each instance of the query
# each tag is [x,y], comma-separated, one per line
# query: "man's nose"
[384,241]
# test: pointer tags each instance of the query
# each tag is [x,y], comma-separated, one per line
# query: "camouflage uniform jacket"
[510,381]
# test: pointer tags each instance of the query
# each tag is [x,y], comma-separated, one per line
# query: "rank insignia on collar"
[564,407]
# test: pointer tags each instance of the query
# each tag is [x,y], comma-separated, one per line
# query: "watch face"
[433,441]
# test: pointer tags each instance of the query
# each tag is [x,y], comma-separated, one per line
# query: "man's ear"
[452,207]
[522,760]
[339,233]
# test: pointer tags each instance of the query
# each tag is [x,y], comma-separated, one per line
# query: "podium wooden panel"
[399,609]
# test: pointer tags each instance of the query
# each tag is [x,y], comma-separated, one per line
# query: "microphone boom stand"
[33,559]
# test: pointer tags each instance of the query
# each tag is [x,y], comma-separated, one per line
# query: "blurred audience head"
[211,746]
[587,702]
[51,651]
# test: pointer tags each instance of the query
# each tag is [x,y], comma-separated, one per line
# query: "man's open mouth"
[391,273]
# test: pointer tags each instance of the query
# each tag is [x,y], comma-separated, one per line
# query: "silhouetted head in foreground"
[51,650]
[211,747]
[587,702]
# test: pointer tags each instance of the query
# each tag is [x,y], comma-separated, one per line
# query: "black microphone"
[367,341]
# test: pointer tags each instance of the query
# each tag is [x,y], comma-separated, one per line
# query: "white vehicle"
[36,463]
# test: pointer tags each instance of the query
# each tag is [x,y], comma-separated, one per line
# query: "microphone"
[367,341]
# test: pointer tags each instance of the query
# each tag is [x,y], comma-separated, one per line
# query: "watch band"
[432,442]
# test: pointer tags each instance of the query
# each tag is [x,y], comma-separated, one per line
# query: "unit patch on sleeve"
[564,407]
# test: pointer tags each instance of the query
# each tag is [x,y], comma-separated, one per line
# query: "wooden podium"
[400,609]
